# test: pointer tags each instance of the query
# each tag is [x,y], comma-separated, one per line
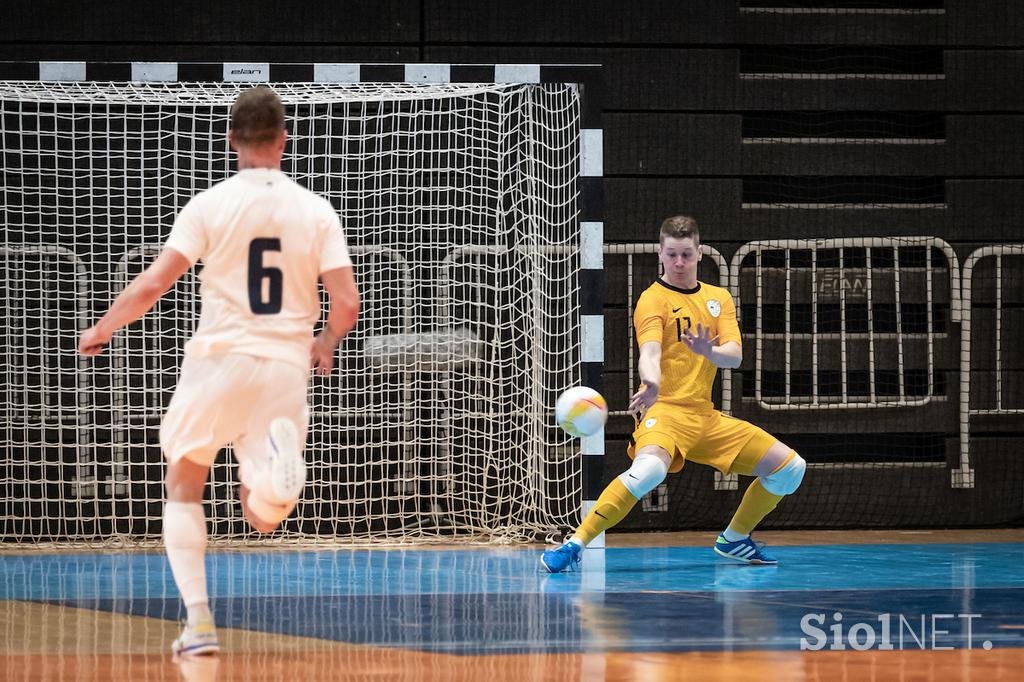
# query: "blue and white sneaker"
[197,640]
[746,550]
[566,557]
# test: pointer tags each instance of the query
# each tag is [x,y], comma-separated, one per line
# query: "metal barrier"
[50,331]
[963,476]
[842,284]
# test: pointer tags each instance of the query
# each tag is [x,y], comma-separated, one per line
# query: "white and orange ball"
[581,411]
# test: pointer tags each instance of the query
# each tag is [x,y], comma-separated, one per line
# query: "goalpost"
[462,211]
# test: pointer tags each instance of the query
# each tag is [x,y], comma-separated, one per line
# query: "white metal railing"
[963,476]
[961,286]
[51,411]
[862,285]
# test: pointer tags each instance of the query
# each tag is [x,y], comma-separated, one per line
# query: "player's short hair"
[679,227]
[257,116]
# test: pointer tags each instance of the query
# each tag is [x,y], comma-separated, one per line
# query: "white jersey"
[263,241]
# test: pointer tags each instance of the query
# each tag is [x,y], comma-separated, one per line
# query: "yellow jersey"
[662,314]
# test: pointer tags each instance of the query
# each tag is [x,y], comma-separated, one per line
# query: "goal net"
[461,211]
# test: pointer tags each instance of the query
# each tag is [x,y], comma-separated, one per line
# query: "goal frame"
[587,78]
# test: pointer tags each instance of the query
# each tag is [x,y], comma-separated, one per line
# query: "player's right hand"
[321,353]
[643,400]
[93,341]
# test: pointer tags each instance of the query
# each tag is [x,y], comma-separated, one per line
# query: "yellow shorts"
[728,444]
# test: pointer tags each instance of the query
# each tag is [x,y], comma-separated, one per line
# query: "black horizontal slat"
[844,124]
[829,59]
[843,190]
[846,4]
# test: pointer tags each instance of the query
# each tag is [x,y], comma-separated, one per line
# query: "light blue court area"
[489,601]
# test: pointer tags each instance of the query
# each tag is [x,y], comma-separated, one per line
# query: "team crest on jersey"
[714,307]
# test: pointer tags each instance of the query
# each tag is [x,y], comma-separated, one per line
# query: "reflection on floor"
[631,613]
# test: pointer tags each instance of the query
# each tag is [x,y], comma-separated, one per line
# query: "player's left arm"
[135,300]
[723,349]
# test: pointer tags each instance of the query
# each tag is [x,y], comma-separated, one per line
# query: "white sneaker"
[197,639]
[287,467]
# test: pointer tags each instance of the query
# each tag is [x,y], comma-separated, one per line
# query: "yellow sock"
[757,503]
[611,507]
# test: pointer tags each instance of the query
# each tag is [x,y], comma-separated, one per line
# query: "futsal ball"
[581,411]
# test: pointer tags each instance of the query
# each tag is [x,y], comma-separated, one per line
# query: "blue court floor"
[499,601]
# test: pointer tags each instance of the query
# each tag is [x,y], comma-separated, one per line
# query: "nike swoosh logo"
[597,513]
[676,310]
[634,477]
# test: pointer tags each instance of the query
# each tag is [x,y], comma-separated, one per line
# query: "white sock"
[185,541]
[575,539]
[732,536]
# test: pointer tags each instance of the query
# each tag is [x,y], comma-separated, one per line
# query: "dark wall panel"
[847,94]
[183,52]
[617,337]
[991,23]
[988,210]
[985,22]
[812,224]
[710,144]
[977,210]
[672,144]
[986,145]
[598,22]
[845,159]
[988,80]
[577,22]
[189,21]
[641,79]
[635,79]
[772,28]
[635,207]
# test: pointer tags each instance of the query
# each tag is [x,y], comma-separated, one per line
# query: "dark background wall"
[675,101]
[684,83]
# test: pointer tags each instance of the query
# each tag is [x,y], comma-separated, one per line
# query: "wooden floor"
[824,537]
[489,614]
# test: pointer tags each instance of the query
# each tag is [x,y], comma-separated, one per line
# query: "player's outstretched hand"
[642,400]
[93,341]
[321,354]
[702,342]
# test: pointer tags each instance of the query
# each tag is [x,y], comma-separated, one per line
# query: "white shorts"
[231,399]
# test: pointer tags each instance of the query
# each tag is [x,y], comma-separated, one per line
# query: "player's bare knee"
[787,478]
[186,480]
[648,470]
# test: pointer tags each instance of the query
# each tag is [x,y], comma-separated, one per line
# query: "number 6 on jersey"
[258,273]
